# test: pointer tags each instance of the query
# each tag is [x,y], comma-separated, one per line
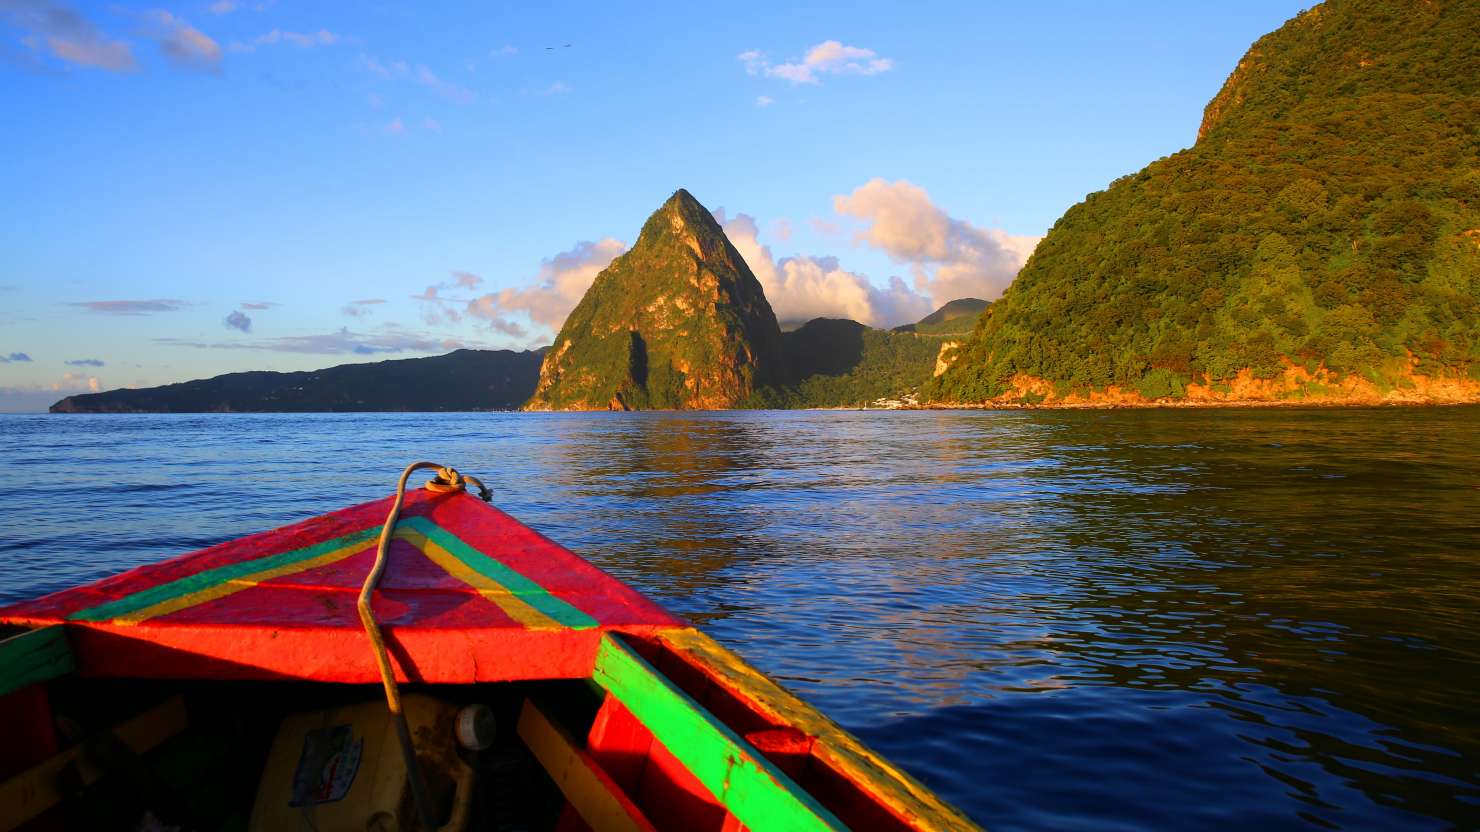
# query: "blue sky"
[208,187]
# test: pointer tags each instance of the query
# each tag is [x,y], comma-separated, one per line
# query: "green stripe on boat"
[757,793]
[34,656]
[215,577]
[525,589]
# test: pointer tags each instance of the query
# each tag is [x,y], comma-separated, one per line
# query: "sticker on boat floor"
[327,766]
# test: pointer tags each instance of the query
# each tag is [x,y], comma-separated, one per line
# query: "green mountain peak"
[678,321]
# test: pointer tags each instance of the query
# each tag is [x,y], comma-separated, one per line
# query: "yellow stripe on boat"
[500,595]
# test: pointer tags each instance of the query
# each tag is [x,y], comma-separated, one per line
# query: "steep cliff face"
[1320,222]
[679,322]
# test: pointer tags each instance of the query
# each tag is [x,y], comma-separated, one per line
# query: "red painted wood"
[619,743]
[788,748]
[672,798]
[305,625]
[30,739]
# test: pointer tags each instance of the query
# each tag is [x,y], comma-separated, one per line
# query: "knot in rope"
[448,480]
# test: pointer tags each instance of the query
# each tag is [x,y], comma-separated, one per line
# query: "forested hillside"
[1322,234]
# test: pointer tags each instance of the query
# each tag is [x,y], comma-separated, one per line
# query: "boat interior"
[658,738]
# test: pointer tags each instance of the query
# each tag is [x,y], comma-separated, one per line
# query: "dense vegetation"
[1329,215]
[957,317]
[679,321]
[460,380]
[842,363]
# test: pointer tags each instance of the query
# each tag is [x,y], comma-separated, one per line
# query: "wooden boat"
[236,687]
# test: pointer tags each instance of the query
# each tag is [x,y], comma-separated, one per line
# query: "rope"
[447,480]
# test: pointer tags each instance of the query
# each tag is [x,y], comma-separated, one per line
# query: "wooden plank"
[600,802]
[900,793]
[748,785]
[33,657]
[27,795]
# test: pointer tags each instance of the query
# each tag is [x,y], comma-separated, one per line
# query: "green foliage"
[679,321]
[957,317]
[1162,383]
[1321,218]
[839,363]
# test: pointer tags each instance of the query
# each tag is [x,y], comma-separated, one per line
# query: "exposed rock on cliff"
[679,321]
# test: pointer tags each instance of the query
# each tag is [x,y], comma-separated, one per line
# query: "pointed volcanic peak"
[678,322]
[1319,242]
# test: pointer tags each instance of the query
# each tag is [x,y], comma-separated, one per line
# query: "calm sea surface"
[1059,620]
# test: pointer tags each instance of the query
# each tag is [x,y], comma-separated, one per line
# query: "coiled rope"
[447,480]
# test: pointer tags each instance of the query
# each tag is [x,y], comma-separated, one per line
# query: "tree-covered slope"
[957,317]
[1323,232]
[679,321]
[459,380]
[842,363]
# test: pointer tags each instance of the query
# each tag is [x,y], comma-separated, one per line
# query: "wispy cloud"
[130,307]
[361,308]
[444,88]
[557,88]
[257,306]
[764,101]
[302,40]
[184,45]
[421,74]
[830,57]
[238,321]
[505,51]
[84,362]
[67,35]
[229,6]
[384,69]
[343,342]
[15,358]
[438,309]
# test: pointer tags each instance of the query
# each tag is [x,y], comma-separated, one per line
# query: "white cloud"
[444,88]
[395,126]
[302,40]
[801,288]
[184,45]
[76,383]
[386,70]
[68,35]
[505,51]
[764,101]
[830,57]
[555,291]
[949,258]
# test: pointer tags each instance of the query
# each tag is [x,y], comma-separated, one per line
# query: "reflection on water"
[1189,620]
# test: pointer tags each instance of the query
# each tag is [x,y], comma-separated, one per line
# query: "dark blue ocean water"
[1205,619]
